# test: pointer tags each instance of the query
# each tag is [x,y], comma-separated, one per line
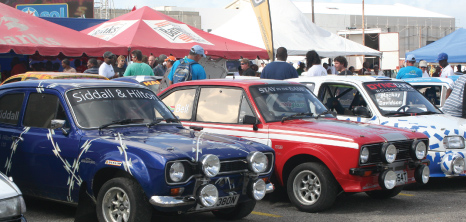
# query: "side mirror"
[362,111]
[247,119]
[59,124]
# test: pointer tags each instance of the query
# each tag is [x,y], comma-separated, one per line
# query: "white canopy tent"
[292,30]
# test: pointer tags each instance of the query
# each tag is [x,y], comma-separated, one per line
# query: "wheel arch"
[106,174]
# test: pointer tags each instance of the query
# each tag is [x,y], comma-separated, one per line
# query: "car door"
[343,99]
[47,155]
[218,109]
[11,109]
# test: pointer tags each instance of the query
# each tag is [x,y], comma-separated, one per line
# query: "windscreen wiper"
[296,115]
[157,121]
[323,113]
[121,122]
[427,113]
[398,114]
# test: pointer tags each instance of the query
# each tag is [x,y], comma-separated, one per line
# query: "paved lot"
[439,200]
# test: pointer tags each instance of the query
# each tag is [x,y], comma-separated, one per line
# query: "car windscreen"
[399,99]
[278,101]
[94,107]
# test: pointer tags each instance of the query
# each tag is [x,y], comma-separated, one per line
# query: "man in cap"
[410,71]
[106,69]
[279,69]
[447,70]
[160,69]
[245,66]
[196,71]
[138,68]
[423,67]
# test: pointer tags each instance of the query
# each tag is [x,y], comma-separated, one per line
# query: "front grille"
[233,166]
[403,147]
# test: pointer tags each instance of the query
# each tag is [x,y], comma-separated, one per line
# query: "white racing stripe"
[311,134]
[314,140]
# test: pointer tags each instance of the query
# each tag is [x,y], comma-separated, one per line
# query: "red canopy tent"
[154,32]
[26,34]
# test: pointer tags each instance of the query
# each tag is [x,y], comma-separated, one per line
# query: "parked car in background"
[318,156]
[12,206]
[51,75]
[433,88]
[152,82]
[118,144]
[395,103]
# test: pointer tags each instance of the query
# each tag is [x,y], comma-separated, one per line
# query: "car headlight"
[257,162]
[176,172]
[364,156]
[11,207]
[453,142]
[389,153]
[210,165]
[419,150]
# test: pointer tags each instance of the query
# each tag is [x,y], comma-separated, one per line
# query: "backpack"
[183,71]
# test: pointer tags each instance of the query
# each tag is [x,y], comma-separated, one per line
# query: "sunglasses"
[243,63]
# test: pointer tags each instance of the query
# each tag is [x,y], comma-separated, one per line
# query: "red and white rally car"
[317,156]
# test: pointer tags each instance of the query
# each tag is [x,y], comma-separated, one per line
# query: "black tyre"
[311,187]
[239,211]
[122,199]
[385,194]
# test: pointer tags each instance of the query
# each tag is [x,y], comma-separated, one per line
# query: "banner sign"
[45,10]
[108,30]
[75,8]
[262,11]
[175,32]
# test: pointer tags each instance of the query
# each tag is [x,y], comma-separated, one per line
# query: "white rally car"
[396,103]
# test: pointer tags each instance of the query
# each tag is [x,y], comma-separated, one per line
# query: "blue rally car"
[118,144]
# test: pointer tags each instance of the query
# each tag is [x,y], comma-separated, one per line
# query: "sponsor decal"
[109,30]
[274,89]
[9,115]
[150,83]
[175,32]
[113,162]
[172,108]
[181,108]
[389,87]
[389,99]
[89,95]
[88,160]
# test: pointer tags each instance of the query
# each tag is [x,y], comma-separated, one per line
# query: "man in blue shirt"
[410,71]
[197,71]
[279,69]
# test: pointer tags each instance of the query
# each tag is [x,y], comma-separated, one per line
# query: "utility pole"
[313,21]
[363,34]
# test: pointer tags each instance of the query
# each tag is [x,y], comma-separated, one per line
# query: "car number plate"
[401,177]
[226,201]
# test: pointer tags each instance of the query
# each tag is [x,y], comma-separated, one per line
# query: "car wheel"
[122,199]
[239,211]
[311,187]
[385,194]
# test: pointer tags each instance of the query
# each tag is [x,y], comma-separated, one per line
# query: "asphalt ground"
[440,200]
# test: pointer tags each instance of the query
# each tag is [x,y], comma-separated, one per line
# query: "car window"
[245,109]
[10,107]
[41,109]
[341,98]
[181,103]
[220,105]
[432,93]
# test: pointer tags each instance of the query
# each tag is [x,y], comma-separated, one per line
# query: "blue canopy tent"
[454,45]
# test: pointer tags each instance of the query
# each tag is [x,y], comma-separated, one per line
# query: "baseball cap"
[411,58]
[197,49]
[442,56]
[170,58]
[108,54]
[422,63]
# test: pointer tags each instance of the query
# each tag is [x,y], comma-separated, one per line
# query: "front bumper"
[171,201]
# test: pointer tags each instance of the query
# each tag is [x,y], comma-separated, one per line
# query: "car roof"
[427,80]
[67,84]
[354,79]
[233,82]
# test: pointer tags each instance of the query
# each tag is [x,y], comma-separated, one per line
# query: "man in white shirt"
[106,69]
[423,67]
[446,68]
[377,71]
[314,68]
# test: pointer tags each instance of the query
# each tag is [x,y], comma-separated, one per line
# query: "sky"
[454,8]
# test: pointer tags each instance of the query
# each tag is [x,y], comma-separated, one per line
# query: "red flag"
[134,9]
